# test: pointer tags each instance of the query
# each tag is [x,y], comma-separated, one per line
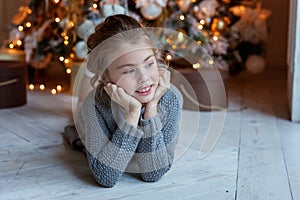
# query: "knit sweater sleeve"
[110,147]
[155,152]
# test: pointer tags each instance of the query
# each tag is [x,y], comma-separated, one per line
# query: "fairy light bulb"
[211,62]
[202,21]
[95,5]
[56,1]
[215,38]
[31,87]
[53,91]
[19,42]
[58,88]
[11,46]
[57,19]
[181,17]
[61,58]
[169,57]
[196,65]
[20,28]
[42,87]
[28,24]
[68,71]
[200,26]
[29,11]
[67,61]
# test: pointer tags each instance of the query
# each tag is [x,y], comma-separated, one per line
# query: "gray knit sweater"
[115,146]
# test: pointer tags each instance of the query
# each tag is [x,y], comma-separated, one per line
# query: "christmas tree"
[233,32]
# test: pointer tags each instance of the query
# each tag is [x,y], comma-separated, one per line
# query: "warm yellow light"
[11,46]
[169,57]
[29,11]
[211,62]
[200,26]
[31,87]
[20,28]
[61,58]
[68,71]
[66,37]
[42,87]
[199,42]
[53,91]
[57,19]
[181,17]
[168,40]
[66,42]
[196,65]
[202,21]
[58,88]
[95,5]
[28,24]
[63,34]
[67,61]
[56,1]
[71,24]
[19,42]
[183,46]
[72,55]
[215,38]
[174,46]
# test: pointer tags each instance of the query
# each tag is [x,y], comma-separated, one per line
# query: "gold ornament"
[220,25]
[184,5]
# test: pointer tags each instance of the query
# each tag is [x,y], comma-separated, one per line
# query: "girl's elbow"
[154,176]
[106,183]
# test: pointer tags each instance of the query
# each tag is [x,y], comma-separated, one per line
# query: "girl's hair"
[109,36]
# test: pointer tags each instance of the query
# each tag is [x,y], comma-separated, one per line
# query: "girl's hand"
[131,105]
[163,86]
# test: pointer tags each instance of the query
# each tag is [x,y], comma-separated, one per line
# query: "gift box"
[13,79]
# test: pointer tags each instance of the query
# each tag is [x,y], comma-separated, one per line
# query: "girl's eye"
[150,64]
[128,71]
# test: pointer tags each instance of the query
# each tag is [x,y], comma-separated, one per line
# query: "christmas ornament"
[252,24]
[81,49]
[206,9]
[255,64]
[112,9]
[151,9]
[220,25]
[184,5]
[85,29]
[151,12]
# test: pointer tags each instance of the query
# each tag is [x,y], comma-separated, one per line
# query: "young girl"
[134,113]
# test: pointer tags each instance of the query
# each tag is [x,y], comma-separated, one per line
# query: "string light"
[196,65]
[11,46]
[61,58]
[68,71]
[28,24]
[169,57]
[199,42]
[19,42]
[53,91]
[56,1]
[95,5]
[215,38]
[31,87]
[58,88]
[211,62]
[57,19]
[42,87]
[181,17]
[29,11]
[202,21]
[67,61]
[20,28]
[200,26]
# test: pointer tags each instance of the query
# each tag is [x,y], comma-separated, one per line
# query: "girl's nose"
[142,75]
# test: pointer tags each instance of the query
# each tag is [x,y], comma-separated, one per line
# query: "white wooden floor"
[256,157]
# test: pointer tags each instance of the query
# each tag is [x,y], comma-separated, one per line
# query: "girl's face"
[136,71]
